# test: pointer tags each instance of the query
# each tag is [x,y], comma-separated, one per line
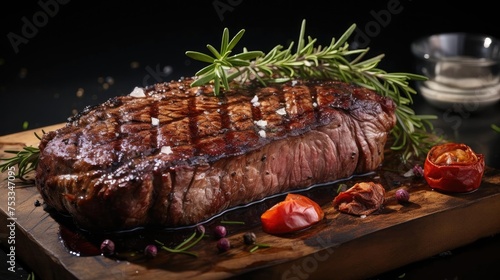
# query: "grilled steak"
[172,155]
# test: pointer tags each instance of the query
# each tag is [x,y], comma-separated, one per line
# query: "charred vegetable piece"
[296,212]
[363,198]
[453,167]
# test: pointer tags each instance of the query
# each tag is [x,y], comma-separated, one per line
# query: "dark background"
[80,45]
[58,57]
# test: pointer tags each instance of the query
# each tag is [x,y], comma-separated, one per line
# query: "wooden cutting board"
[340,247]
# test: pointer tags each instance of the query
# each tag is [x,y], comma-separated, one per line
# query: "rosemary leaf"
[183,247]
[258,246]
[200,56]
[186,241]
[232,222]
[26,160]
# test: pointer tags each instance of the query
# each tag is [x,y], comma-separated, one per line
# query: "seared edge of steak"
[180,155]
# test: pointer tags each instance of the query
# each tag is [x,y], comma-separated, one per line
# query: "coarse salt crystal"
[155,121]
[138,92]
[255,99]
[409,173]
[262,133]
[281,111]
[166,150]
[261,123]
[362,216]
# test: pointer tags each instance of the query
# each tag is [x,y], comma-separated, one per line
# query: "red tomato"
[296,212]
[453,167]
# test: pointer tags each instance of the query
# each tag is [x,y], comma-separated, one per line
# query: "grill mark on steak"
[299,107]
[153,112]
[193,125]
[106,169]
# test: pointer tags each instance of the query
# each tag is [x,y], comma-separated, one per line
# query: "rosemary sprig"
[257,246]
[232,222]
[316,62]
[26,160]
[495,128]
[183,247]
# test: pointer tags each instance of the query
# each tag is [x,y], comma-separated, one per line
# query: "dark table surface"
[57,57]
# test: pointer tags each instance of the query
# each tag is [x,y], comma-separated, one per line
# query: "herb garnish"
[258,246]
[232,222]
[186,244]
[317,62]
[26,160]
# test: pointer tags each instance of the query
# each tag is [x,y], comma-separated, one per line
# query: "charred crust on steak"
[112,168]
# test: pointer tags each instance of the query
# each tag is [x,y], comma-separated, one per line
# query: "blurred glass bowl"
[468,100]
[461,68]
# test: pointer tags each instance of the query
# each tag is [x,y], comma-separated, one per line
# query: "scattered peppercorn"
[37,203]
[418,171]
[402,195]
[200,229]
[249,238]
[107,247]
[223,244]
[151,251]
[220,231]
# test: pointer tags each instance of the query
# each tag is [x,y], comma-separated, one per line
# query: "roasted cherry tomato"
[453,167]
[296,212]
